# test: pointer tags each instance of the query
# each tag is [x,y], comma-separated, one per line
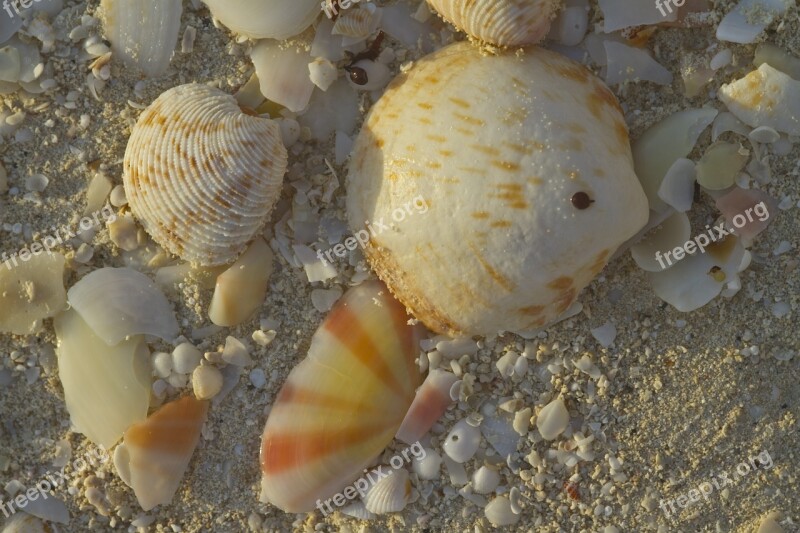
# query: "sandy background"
[683,398]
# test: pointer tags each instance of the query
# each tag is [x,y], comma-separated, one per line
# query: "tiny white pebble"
[185,358]
[257,378]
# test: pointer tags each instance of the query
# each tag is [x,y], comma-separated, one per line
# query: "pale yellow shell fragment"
[201,175]
[501,243]
[31,289]
[500,22]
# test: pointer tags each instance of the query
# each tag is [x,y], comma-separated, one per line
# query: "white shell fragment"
[500,22]
[31,291]
[206,382]
[121,302]
[241,289]
[259,19]
[745,22]
[499,512]
[765,97]
[665,142]
[462,442]
[390,494]
[674,231]
[509,166]
[106,388]
[620,14]
[628,63]
[553,419]
[720,164]
[202,176]
[428,466]
[485,480]
[677,188]
[143,33]
[430,402]
[283,74]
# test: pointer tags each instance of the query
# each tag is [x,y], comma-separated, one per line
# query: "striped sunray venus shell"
[341,406]
[201,175]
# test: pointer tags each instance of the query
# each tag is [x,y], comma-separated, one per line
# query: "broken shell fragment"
[120,302]
[462,442]
[442,144]
[241,289]
[260,19]
[155,453]
[765,97]
[106,388]
[499,512]
[31,292]
[430,402]
[553,419]
[720,164]
[341,406]
[500,22]
[673,232]
[201,175]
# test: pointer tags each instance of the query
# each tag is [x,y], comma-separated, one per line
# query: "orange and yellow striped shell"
[342,405]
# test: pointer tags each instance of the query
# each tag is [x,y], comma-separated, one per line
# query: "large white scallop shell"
[470,191]
[260,19]
[143,32]
[201,175]
[500,22]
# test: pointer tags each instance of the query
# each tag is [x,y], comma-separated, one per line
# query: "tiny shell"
[430,403]
[390,494]
[259,19]
[500,22]
[156,453]
[507,176]
[462,442]
[143,32]
[201,175]
[485,480]
[428,466]
[553,419]
[341,406]
[241,289]
[121,302]
[31,292]
[357,23]
[106,388]
[206,382]
[499,512]
[765,97]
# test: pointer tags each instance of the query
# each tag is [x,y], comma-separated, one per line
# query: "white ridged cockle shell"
[500,22]
[201,175]
[495,187]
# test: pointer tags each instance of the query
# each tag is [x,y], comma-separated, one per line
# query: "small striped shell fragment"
[143,32]
[341,406]
[155,453]
[475,181]
[500,22]
[356,23]
[201,175]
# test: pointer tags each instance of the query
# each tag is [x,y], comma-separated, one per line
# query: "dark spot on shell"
[581,200]
[358,75]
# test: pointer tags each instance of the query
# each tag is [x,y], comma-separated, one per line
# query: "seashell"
[120,302]
[462,442]
[283,74]
[22,522]
[553,419]
[31,291]
[341,406]
[765,97]
[206,382]
[260,19]
[677,187]
[499,512]
[241,289]
[185,358]
[629,63]
[500,22]
[427,466]
[621,14]
[720,164]
[485,480]
[745,22]
[509,167]
[106,388]
[358,23]
[390,494]
[202,176]
[657,149]
[358,510]
[430,402]
[750,211]
[674,231]
[367,75]
[143,32]
[155,454]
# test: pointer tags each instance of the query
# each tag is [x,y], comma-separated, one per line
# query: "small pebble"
[553,419]
[235,353]
[206,382]
[185,358]
[257,378]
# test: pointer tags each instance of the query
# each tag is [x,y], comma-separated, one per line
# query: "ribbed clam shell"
[355,23]
[500,22]
[390,494]
[143,32]
[201,175]
[503,204]
[343,403]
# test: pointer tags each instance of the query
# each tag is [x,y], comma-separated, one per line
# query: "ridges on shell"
[341,406]
[500,22]
[201,175]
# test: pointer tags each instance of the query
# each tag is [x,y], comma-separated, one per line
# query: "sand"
[682,397]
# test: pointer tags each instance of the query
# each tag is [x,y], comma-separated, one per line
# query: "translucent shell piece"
[502,205]
[500,22]
[258,19]
[155,453]
[201,175]
[341,406]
